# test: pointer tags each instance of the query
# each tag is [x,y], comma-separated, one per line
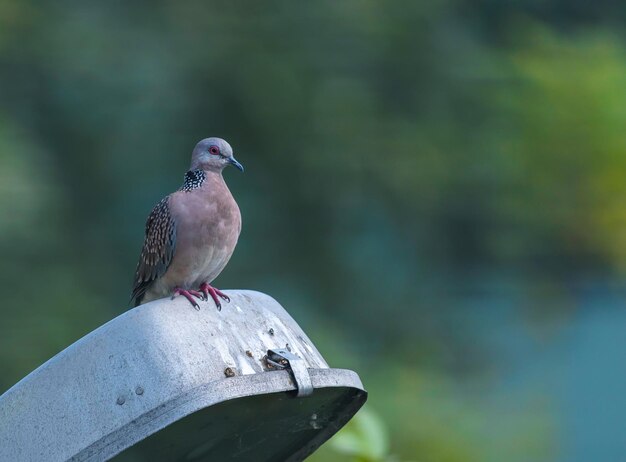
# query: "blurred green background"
[435,190]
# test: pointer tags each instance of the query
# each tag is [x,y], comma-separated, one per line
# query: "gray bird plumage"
[192,233]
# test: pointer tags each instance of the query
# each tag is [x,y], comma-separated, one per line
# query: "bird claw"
[207,290]
[189,295]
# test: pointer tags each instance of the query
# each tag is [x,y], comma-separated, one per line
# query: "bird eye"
[214,150]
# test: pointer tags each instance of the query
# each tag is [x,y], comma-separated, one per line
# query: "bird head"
[213,154]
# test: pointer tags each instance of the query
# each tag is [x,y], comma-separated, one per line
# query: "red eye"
[214,150]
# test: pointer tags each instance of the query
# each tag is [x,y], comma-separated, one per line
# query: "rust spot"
[229,372]
[248,353]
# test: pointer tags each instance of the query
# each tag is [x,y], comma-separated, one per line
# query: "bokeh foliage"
[405,161]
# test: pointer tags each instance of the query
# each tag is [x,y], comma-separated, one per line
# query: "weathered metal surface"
[164,363]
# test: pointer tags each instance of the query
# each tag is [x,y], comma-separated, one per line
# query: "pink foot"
[188,294]
[207,290]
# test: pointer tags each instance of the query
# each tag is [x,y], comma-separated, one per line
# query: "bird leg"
[207,290]
[188,294]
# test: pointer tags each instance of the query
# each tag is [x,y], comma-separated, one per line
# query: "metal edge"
[329,431]
[212,393]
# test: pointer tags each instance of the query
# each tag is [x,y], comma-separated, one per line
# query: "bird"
[191,234]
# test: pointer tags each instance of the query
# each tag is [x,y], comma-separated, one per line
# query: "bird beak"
[234,161]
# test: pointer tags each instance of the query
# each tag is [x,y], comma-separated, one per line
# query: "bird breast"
[208,223]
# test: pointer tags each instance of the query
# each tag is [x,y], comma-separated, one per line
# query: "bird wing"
[158,249]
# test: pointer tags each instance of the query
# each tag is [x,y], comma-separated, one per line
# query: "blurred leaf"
[364,437]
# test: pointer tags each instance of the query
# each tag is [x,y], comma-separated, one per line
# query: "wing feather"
[158,249]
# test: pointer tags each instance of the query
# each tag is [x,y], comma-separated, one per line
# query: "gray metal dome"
[164,382]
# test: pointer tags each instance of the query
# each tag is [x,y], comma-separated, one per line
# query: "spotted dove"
[191,234]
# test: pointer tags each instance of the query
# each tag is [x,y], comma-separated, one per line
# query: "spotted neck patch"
[193,180]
